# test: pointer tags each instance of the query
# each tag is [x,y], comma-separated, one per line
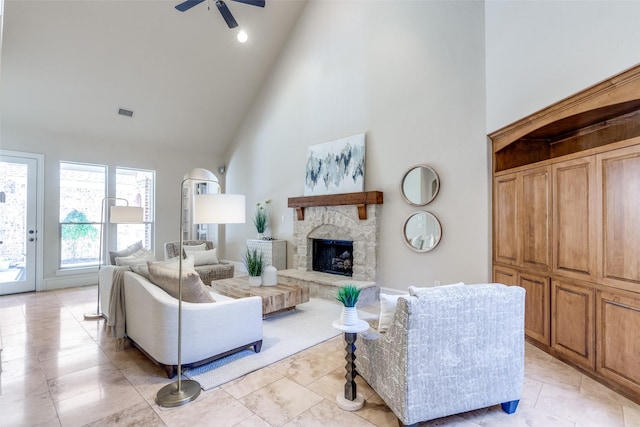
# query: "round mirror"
[420,185]
[422,231]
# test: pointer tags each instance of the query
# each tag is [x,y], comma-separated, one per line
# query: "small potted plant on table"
[255,264]
[348,296]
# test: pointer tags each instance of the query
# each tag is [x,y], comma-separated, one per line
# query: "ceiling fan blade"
[259,3]
[226,14]
[182,7]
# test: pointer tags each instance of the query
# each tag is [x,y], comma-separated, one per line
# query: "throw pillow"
[174,263]
[142,269]
[124,252]
[203,257]
[388,305]
[416,291]
[139,257]
[193,290]
[200,247]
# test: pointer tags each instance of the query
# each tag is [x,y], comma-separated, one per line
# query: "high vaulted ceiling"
[68,66]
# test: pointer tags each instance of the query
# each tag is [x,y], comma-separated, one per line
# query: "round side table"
[350,400]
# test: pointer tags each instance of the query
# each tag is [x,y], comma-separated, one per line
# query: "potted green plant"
[255,264]
[261,218]
[348,296]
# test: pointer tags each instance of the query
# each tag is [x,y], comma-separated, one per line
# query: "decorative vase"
[349,316]
[260,236]
[269,276]
[255,281]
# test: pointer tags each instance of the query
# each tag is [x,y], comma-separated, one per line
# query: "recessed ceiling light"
[243,36]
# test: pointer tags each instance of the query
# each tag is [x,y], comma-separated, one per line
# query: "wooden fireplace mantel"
[361,200]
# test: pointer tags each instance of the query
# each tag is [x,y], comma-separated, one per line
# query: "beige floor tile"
[597,391]
[14,389]
[281,401]
[137,415]
[217,408]
[530,391]
[33,410]
[308,366]
[333,383]
[253,421]
[631,416]
[377,412]
[20,367]
[251,382]
[541,366]
[326,414]
[579,408]
[525,416]
[60,366]
[97,403]
[147,378]
[101,377]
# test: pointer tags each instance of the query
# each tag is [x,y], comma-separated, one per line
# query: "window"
[137,187]
[82,188]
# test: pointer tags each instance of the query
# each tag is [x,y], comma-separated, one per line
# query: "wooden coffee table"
[275,299]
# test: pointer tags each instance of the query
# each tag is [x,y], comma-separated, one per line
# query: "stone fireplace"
[353,218]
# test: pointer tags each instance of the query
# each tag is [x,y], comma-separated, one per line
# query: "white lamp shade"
[219,209]
[126,214]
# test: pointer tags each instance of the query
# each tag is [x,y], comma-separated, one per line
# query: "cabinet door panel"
[505,226]
[574,201]
[618,326]
[572,319]
[506,276]
[537,306]
[535,212]
[619,172]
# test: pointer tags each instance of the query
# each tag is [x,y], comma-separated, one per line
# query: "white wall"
[539,52]
[170,167]
[411,75]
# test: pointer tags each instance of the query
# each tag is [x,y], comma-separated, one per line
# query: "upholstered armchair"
[449,350]
[207,272]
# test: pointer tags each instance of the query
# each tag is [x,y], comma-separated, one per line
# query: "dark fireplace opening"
[333,256]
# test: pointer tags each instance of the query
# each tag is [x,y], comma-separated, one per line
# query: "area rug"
[282,336]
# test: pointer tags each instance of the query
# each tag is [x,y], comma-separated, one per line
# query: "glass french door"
[18,233]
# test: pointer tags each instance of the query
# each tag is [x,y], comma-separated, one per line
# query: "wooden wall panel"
[574,218]
[505,275]
[537,307]
[619,175]
[505,219]
[572,326]
[535,212]
[618,331]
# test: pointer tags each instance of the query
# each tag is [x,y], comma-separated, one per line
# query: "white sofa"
[209,330]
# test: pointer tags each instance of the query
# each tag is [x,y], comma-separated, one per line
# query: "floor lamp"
[207,209]
[117,215]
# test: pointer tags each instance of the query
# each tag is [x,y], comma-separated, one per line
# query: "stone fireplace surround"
[340,223]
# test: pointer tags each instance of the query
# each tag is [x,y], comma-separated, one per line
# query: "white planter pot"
[349,316]
[255,280]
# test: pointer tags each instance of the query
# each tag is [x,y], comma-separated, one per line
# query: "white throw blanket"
[116,319]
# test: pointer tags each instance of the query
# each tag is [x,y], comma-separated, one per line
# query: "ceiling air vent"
[123,112]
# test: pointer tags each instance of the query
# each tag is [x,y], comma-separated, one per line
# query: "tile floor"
[60,370]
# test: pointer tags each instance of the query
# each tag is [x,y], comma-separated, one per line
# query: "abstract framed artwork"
[336,167]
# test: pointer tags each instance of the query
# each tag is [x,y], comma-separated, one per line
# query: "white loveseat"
[209,330]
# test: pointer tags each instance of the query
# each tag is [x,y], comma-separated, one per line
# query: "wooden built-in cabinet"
[566,227]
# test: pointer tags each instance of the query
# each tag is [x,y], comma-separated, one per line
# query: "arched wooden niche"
[602,114]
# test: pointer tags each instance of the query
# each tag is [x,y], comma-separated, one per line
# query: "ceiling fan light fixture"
[243,36]
[226,14]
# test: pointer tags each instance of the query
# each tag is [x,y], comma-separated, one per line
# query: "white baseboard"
[70,281]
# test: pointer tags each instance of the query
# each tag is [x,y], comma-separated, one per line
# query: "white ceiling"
[67,66]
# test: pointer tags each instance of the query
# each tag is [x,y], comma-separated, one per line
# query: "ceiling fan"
[222,8]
